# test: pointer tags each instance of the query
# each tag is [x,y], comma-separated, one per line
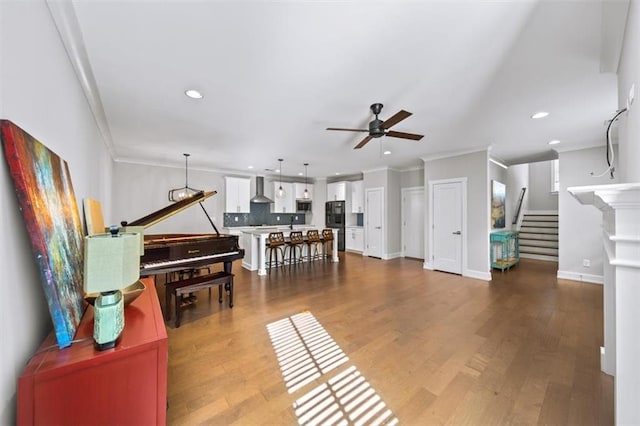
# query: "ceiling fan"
[379,128]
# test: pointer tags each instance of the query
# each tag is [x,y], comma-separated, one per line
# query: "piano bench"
[190,285]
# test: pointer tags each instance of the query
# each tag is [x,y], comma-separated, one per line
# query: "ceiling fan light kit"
[305,194]
[379,128]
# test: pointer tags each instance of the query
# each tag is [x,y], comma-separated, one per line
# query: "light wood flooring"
[436,348]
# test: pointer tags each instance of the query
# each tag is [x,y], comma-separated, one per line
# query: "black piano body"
[165,253]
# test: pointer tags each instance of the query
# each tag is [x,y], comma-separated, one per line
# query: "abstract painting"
[498,198]
[48,204]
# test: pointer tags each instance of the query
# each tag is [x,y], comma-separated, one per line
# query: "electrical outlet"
[296,217]
[278,218]
[236,218]
[586,263]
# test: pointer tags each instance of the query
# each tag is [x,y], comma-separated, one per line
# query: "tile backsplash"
[261,215]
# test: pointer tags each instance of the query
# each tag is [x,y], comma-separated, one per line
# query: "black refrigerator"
[334,218]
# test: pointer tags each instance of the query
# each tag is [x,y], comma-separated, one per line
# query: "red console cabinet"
[77,385]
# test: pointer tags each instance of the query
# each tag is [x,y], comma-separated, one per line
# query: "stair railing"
[518,206]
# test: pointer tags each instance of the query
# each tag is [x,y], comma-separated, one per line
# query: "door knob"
[378,227]
[457,233]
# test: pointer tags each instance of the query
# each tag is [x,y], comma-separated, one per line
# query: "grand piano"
[176,252]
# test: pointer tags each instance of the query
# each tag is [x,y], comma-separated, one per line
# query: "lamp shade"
[111,262]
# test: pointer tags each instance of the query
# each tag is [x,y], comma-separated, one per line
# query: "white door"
[447,227]
[374,217]
[413,222]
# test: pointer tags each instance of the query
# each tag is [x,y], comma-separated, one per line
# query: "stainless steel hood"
[259,197]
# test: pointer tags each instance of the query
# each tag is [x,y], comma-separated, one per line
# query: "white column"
[262,247]
[620,205]
[335,257]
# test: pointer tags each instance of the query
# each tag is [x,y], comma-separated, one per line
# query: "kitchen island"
[253,239]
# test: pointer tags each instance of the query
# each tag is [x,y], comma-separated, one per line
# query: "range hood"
[259,197]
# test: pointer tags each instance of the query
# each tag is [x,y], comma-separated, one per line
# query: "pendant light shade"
[281,192]
[180,194]
[305,195]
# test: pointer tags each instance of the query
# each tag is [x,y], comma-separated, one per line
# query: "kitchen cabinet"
[354,239]
[286,204]
[299,190]
[237,194]
[357,196]
[337,191]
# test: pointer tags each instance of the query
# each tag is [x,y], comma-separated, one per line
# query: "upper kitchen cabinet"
[357,196]
[337,191]
[286,204]
[238,194]
[299,188]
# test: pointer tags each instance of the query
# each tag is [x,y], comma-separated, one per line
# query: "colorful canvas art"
[48,204]
[498,198]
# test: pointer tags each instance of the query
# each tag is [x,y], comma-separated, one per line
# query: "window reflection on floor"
[306,352]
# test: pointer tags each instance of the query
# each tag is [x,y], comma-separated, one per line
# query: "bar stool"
[327,242]
[313,241]
[275,244]
[295,246]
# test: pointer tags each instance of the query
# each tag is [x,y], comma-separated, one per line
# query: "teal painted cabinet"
[505,251]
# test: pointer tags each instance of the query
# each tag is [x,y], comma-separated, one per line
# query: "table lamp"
[111,263]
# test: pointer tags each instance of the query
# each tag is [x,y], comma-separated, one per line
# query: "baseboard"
[390,256]
[587,278]
[479,275]
[427,265]
[247,265]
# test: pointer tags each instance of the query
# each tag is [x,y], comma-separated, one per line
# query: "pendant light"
[281,193]
[305,195]
[180,194]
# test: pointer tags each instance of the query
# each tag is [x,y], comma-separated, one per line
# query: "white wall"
[540,196]
[517,178]
[474,167]
[393,198]
[580,227]
[412,178]
[142,189]
[40,93]
[629,123]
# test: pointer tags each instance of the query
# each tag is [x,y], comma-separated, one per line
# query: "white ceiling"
[275,74]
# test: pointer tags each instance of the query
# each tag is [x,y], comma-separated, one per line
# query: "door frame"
[382,220]
[404,193]
[428,264]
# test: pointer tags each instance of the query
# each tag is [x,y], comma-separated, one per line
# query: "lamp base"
[108,319]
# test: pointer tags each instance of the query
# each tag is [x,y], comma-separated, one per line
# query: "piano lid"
[170,210]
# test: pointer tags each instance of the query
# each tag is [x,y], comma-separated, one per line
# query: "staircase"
[539,236]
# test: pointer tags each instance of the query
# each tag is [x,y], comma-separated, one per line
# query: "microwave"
[303,206]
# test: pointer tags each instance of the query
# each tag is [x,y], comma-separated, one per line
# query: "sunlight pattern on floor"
[304,349]
[345,399]
[306,352]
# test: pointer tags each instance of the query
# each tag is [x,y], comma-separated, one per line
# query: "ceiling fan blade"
[404,135]
[395,119]
[363,142]
[347,130]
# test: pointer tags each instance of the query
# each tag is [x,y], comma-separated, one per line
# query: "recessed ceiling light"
[193,94]
[300,174]
[387,152]
[554,142]
[540,114]
[337,173]
[250,167]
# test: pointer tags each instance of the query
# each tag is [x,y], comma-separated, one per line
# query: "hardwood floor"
[436,348]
